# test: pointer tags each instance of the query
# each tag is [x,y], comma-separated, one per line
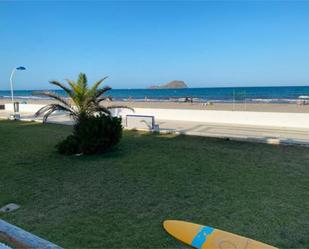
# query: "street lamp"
[12,91]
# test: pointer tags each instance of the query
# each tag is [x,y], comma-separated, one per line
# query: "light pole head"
[20,68]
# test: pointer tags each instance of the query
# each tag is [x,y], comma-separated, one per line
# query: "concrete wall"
[29,108]
[275,119]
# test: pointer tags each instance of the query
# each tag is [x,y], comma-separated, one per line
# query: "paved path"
[55,118]
[273,135]
[265,134]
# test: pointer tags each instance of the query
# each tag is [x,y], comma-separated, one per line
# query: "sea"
[286,94]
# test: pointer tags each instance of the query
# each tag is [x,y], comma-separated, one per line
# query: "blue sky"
[141,43]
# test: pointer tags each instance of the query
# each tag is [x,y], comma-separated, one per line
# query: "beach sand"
[255,107]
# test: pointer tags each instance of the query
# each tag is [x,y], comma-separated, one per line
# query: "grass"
[120,199]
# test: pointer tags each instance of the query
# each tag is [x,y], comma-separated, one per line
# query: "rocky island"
[175,84]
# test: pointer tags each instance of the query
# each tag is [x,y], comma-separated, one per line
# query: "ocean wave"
[176,99]
[24,97]
[202,100]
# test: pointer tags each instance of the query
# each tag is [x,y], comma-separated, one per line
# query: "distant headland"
[175,84]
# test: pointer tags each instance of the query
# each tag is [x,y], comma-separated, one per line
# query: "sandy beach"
[254,107]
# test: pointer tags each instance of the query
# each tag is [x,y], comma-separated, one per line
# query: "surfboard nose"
[167,224]
[181,230]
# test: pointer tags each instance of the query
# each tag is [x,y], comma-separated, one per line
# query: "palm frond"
[73,85]
[63,87]
[79,95]
[101,99]
[42,110]
[54,96]
[97,84]
[102,109]
[82,81]
[101,91]
[49,109]
[47,114]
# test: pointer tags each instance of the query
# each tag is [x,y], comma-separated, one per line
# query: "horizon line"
[147,88]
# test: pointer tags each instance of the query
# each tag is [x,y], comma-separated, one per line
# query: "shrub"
[68,146]
[92,135]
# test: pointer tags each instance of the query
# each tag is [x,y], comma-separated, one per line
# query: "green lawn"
[119,200]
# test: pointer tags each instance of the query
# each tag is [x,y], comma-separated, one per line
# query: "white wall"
[276,119]
[29,108]
[288,120]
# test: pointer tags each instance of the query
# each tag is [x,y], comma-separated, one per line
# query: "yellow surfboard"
[204,237]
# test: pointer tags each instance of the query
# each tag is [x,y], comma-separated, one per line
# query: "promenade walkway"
[266,134]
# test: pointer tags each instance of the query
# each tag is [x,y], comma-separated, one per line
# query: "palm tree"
[85,100]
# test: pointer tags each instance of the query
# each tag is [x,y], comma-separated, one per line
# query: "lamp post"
[12,91]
